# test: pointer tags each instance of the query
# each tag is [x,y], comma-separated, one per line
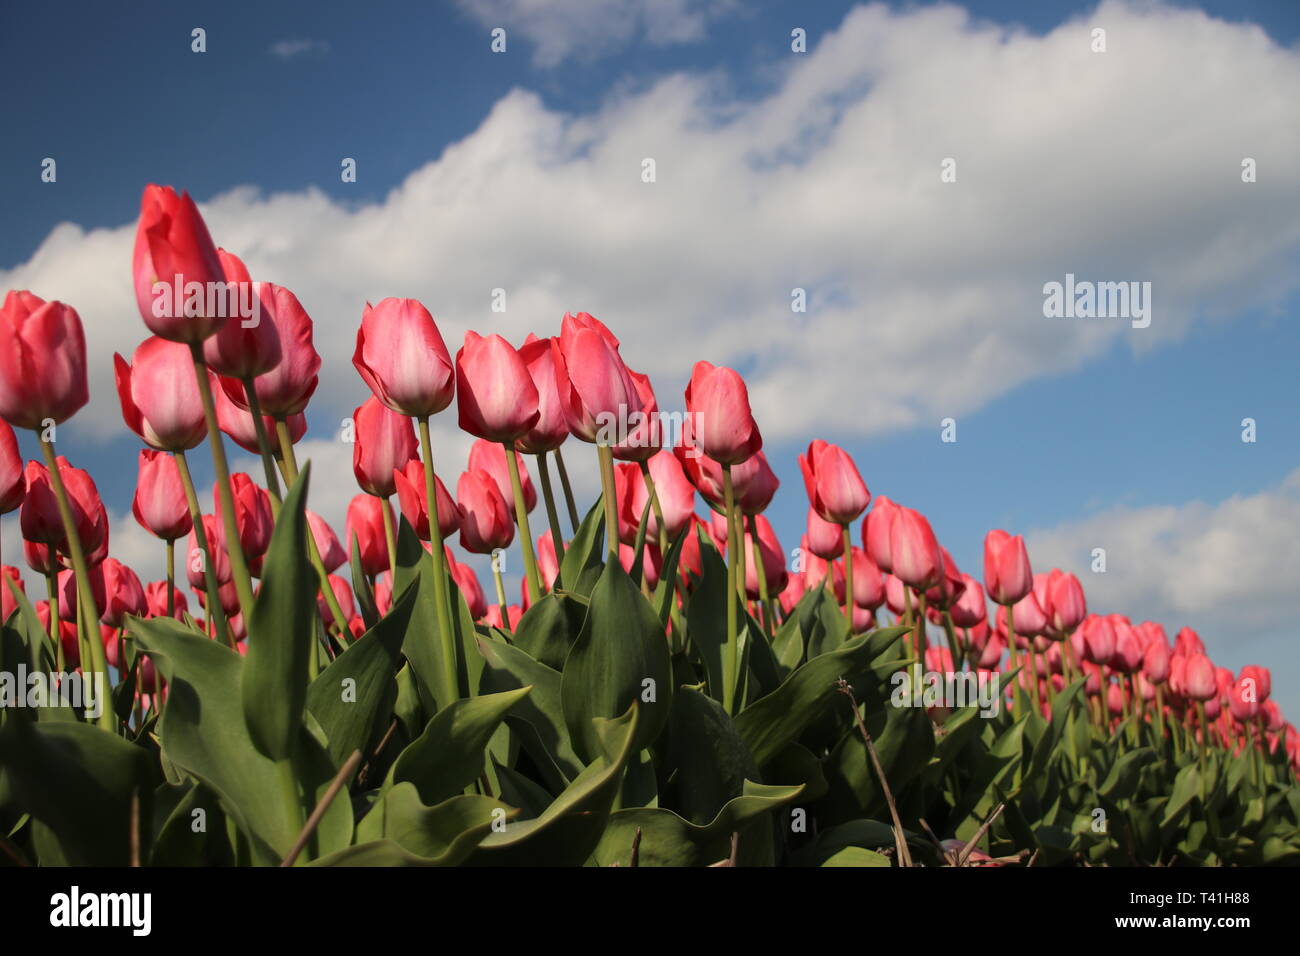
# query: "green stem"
[289,461]
[659,514]
[552,515]
[525,532]
[52,592]
[214,610]
[848,576]
[390,541]
[171,577]
[88,614]
[608,488]
[238,566]
[759,571]
[263,444]
[730,675]
[501,596]
[441,593]
[567,488]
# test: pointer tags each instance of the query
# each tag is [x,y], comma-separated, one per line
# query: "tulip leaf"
[669,840]
[281,632]
[78,781]
[582,562]
[448,756]
[443,834]
[571,827]
[770,723]
[620,656]
[707,762]
[546,736]
[203,733]
[856,856]
[548,629]
[361,585]
[355,694]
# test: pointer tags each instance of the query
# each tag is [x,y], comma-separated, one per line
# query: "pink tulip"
[13,485]
[237,422]
[875,532]
[365,524]
[970,608]
[402,357]
[173,247]
[552,425]
[155,595]
[1200,681]
[913,550]
[160,396]
[825,540]
[594,385]
[868,585]
[676,496]
[384,442]
[835,488]
[1155,662]
[485,519]
[414,501]
[332,554]
[490,456]
[42,361]
[246,346]
[761,487]
[252,514]
[123,593]
[495,392]
[160,505]
[720,421]
[1007,575]
[285,389]
[468,584]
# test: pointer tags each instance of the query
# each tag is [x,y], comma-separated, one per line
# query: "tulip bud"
[402,357]
[385,442]
[720,421]
[1007,575]
[836,490]
[42,361]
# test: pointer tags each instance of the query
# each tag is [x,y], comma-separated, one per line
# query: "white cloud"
[288,49]
[593,29]
[926,298]
[1226,569]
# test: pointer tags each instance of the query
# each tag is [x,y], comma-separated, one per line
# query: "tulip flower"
[595,387]
[914,552]
[826,540]
[835,489]
[642,436]
[485,523]
[1199,679]
[332,555]
[719,417]
[285,389]
[366,526]
[159,504]
[1066,605]
[252,516]
[238,424]
[384,443]
[157,595]
[13,483]
[42,361]
[468,584]
[876,527]
[969,609]
[414,502]
[1155,662]
[675,493]
[215,555]
[495,392]
[772,558]
[245,346]
[7,602]
[1007,575]
[401,355]
[174,252]
[123,593]
[342,592]
[552,426]
[490,457]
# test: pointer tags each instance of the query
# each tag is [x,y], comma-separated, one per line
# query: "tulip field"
[670,686]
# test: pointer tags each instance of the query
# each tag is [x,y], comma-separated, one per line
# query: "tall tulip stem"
[659,511]
[171,577]
[214,608]
[760,574]
[390,540]
[441,594]
[88,614]
[848,575]
[731,665]
[238,566]
[501,596]
[525,532]
[608,487]
[552,515]
[263,444]
[567,488]
[289,461]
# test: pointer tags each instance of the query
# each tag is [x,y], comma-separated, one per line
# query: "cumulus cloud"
[592,29]
[1226,569]
[925,298]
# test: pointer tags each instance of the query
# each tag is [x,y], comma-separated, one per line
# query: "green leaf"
[360,585]
[856,856]
[423,647]
[570,829]
[355,694]
[668,840]
[448,756]
[767,725]
[620,656]
[581,566]
[548,629]
[443,834]
[77,780]
[707,761]
[204,734]
[544,736]
[281,632]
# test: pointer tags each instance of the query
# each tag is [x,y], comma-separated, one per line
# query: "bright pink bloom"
[1007,575]
[12,483]
[719,416]
[159,504]
[42,361]
[414,501]
[246,346]
[285,389]
[835,488]
[384,442]
[172,246]
[485,519]
[913,550]
[402,357]
[495,392]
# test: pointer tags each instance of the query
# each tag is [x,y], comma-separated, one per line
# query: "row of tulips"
[204,377]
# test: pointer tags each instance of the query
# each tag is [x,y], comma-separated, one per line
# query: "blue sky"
[1081,436]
